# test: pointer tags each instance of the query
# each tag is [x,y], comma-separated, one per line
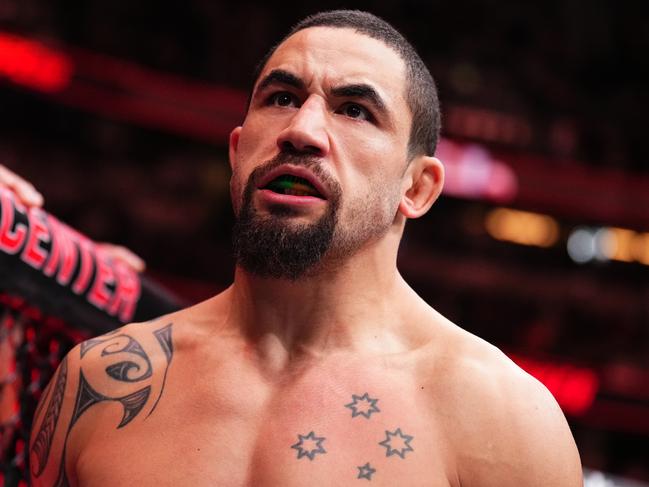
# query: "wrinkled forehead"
[331,56]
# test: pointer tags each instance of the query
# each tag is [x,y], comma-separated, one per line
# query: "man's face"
[319,161]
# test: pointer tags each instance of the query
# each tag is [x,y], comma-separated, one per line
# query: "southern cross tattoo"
[309,445]
[396,443]
[363,406]
[366,471]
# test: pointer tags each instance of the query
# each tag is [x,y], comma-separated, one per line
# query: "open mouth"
[293,186]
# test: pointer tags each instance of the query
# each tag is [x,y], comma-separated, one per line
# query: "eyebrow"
[361,91]
[279,76]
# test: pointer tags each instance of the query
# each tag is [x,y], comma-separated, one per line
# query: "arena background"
[118,111]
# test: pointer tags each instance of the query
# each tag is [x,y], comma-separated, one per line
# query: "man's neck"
[358,305]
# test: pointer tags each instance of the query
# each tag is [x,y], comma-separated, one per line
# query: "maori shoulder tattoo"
[124,359]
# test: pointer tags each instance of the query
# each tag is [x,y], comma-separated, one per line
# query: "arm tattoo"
[42,400]
[62,479]
[121,370]
[164,339]
[87,397]
[133,404]
[43,442]
[134,370]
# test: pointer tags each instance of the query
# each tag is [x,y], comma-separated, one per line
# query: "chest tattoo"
[396,442]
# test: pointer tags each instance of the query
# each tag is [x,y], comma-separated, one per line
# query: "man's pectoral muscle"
[127,367]
[98,421]
[105,418]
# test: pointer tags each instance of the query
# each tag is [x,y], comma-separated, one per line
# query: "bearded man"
[319,365]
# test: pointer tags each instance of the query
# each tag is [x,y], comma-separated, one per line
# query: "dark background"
[131,149]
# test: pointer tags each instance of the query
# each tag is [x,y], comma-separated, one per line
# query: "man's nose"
[307,129]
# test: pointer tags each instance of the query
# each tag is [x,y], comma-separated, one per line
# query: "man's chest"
[336,426]
[348,435]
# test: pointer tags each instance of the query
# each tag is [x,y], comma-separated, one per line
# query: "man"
[319,365]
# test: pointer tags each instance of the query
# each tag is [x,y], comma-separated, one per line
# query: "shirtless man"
[319,365]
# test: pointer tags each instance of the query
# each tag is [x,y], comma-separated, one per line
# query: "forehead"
[328,56]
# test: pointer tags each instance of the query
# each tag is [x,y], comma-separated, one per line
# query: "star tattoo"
[365,472]
[396,443]
[309,445]
[363,406]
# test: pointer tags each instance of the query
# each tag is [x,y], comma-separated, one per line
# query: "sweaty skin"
[341,377]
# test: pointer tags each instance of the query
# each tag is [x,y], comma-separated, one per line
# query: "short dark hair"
[421,93]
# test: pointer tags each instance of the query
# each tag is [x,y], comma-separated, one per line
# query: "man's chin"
[288,215]
[280,247]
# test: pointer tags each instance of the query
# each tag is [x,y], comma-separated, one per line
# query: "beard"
[272,246]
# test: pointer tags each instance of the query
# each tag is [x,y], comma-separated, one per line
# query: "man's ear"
[234,144]
[425,181]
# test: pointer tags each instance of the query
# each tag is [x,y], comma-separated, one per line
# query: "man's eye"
[282,99]
[352,110]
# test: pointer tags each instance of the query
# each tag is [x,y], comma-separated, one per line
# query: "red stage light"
[34,65]
[574,388]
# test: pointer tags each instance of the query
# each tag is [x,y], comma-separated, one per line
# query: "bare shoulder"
[126,367]
[108,384]
[131,355]
[506,427]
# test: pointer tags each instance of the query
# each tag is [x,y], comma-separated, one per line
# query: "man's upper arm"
[510,431]
[51,423]
[127,366]
[532,445]
[542,438]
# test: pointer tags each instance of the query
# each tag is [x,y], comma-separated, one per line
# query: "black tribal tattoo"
[43,442]
[42,400]
[129,371]
[122,370]
[87,396]
[163,336]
